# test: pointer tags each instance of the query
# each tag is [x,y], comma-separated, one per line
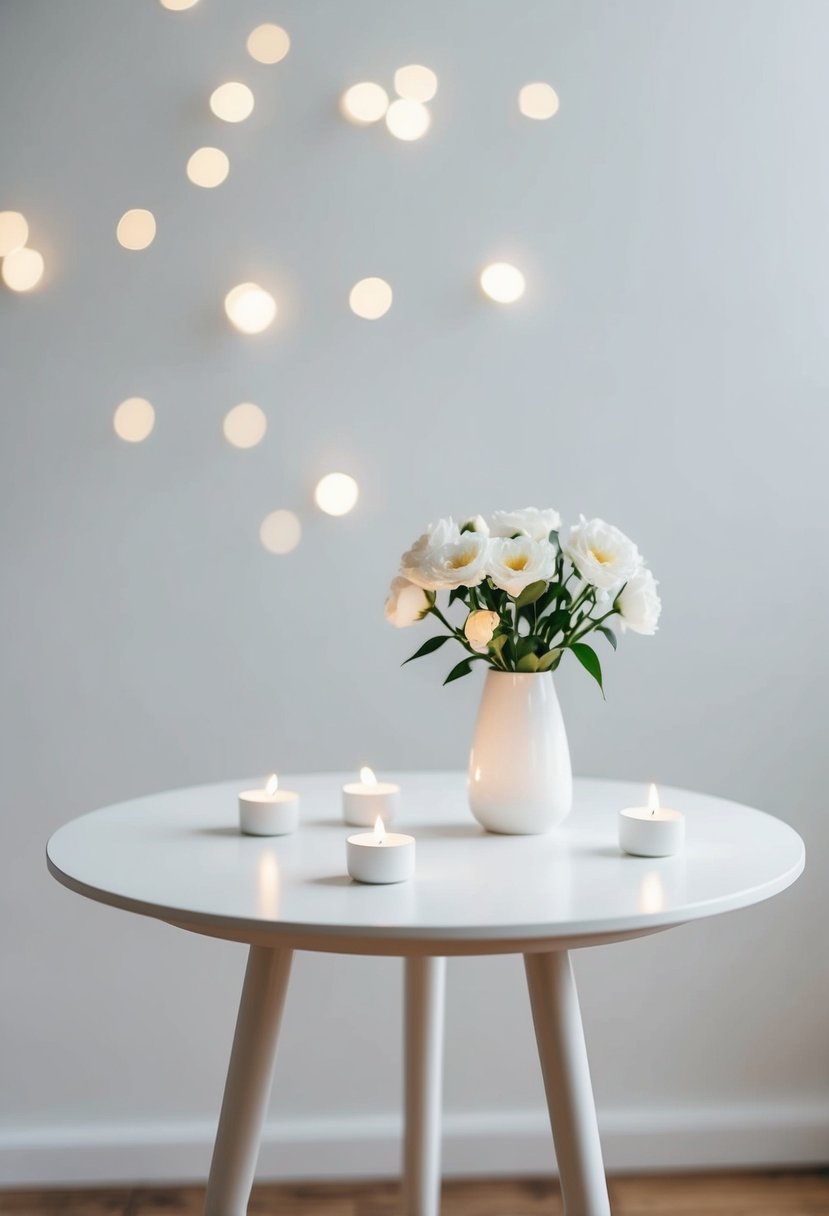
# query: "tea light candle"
[651,831]
[269,811]
[380,856]
[367,799]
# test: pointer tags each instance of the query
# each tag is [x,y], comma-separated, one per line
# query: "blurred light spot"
[250,308]
[177,6]
[336,493]
[232,102]
[503,282]
[407,119]
[538,100]
[208,167]
[280,531]
[415,82]
[651,893]
[364,103]
[14,232]
[370,298]
[245,425]
[267,887]
[136,229]
[268,43]
[22,269]
[134,419]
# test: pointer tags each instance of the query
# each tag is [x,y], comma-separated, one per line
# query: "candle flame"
[367,776]
[653,800]
[379,831]
[272,785]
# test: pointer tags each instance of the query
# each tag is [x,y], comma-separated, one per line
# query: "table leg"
[248,1084]
[563,1055]
[425,987]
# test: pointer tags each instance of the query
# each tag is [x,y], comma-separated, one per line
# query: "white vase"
[520,780]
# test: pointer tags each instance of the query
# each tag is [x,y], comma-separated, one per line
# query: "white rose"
[603,556]
[417,563]
[406,604]
[460,563]
[443,558]
[475,523]
[639,603]
[529,522]
[479,628]
[514,564]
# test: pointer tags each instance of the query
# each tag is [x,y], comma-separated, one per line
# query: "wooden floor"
[773,1194]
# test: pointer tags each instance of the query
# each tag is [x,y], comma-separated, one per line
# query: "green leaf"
[546,662]
[609,634]
[527,662]
[497,645]
[457,593]
[529,645]
[427,648]
[531,593]
[543,603]
[589,660]
[462,669]
[556,622]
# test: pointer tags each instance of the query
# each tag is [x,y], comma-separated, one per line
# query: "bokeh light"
[336,493]
[136,229]
[250,308]
[538,100]
[208,167]
[177,6]
[370,298]
[134,419]
[232,102]
[407,120]
[268,43]
[244,426]
[22,269]
[364,103]
[502,282]
[280,532]
[14,231]
[415,82]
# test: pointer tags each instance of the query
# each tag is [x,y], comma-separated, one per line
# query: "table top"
[179,857]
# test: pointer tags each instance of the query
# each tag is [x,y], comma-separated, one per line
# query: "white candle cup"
[647,833]
[374,859]
[264,814]
[364,801]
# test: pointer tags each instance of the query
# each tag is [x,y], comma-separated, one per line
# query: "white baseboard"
[368,1146]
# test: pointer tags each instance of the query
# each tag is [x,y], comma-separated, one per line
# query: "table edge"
[394,939]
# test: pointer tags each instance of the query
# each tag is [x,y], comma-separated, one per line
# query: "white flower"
[514,564]
[406,603]
[529,522]
[461,563]
[443,558]
[475,523]
[416,563]
[479,628]
[639,603]
[603,556]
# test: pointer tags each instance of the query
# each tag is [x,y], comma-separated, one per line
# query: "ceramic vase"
[520,780]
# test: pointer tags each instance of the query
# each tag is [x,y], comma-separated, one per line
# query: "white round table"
[179,857]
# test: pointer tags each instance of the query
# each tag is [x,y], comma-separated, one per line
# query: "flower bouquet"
[529,597]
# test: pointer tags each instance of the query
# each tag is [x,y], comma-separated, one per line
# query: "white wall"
[667,369]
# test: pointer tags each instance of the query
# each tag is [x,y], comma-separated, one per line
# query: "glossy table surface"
[179,856]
